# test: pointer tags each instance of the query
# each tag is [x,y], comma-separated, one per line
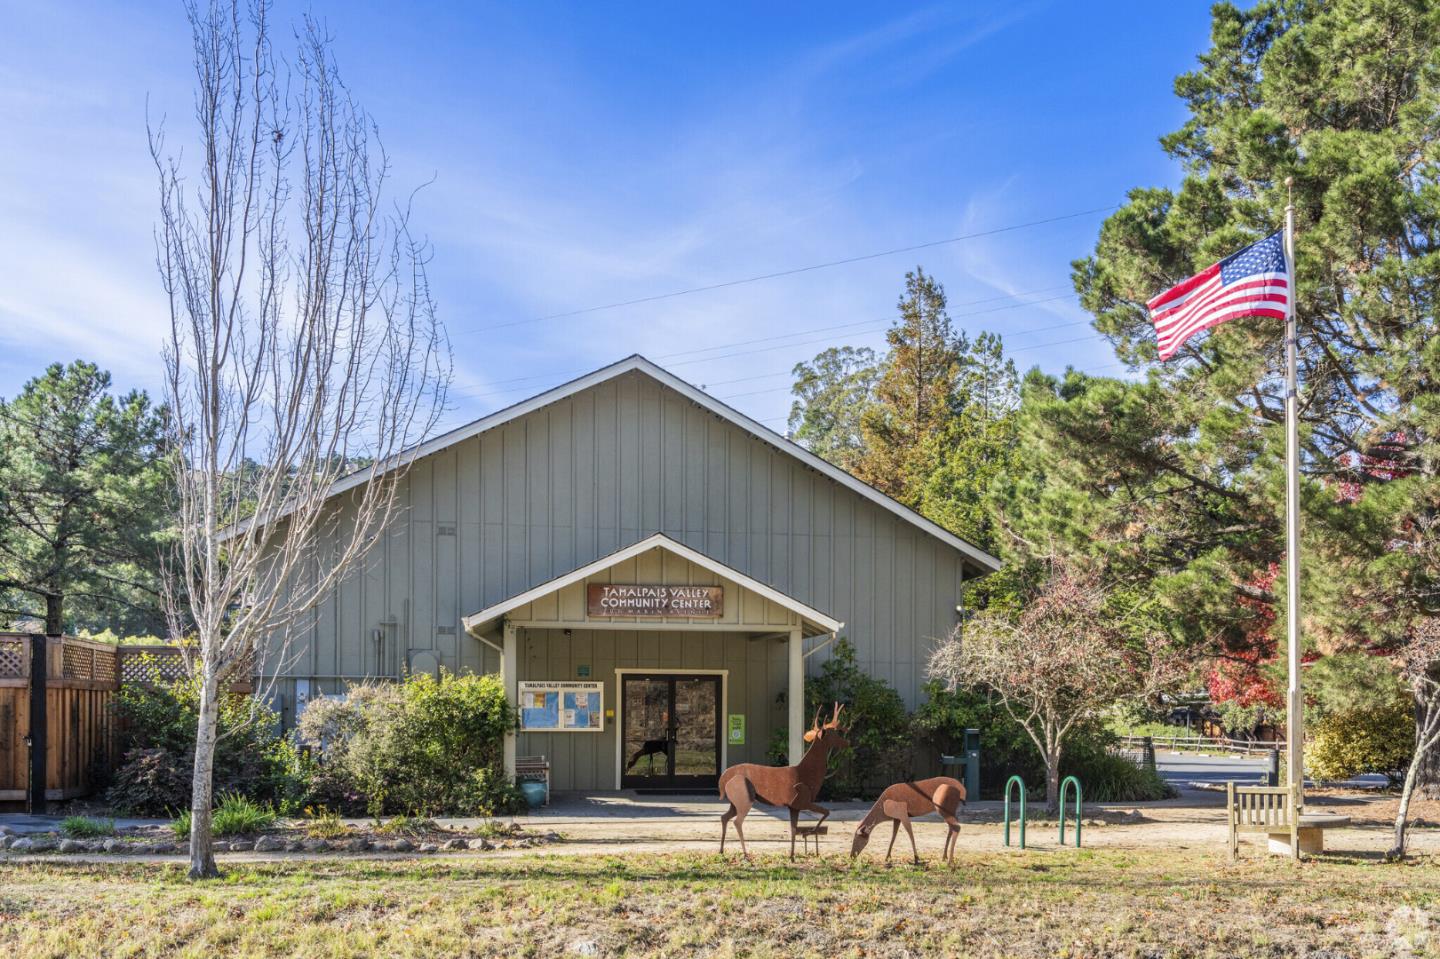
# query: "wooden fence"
[81,678]
[80,682]
[1245,747]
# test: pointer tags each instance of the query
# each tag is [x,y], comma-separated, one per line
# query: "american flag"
[1252,282]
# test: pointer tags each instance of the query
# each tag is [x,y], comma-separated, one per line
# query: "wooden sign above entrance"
[602,599]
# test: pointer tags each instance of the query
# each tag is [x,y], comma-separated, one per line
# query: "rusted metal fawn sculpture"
[902,802]
[794,787]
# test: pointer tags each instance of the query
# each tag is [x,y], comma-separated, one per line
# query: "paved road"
[1182,769]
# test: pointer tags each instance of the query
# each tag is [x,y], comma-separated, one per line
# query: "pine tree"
[1176,482]
[975,445]
[915,395]
[82,501]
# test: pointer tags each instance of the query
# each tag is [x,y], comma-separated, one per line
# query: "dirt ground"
[590,826]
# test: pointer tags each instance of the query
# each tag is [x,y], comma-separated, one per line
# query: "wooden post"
[795,696]
[39,722]
[509,678]
[1230,817]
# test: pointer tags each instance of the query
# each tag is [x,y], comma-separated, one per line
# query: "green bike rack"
[1064,788]
[1015,781]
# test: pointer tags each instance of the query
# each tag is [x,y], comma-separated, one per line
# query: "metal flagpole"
[1294,720]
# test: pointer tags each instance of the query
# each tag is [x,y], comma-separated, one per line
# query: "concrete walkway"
[23,824]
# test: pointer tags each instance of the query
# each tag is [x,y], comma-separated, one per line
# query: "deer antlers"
[816,728]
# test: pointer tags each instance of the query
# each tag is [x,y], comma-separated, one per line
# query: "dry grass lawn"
[1102,902]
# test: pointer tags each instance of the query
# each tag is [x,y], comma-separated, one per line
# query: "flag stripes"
[1253,282]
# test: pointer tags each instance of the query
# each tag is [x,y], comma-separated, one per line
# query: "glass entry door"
[670,731]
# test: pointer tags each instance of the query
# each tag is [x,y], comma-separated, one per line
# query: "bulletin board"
[562,707]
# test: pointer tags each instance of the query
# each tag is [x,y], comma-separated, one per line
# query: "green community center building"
[652,574]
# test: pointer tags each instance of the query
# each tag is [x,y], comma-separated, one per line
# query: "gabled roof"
[975,554]
[486,617]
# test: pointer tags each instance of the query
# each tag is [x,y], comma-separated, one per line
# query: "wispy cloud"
[551,194]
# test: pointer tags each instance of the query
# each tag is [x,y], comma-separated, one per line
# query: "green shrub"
[1109,776]
[877,726]
[406,826]
[1351,742]
[425,746]
[149,782]
[239,815]
[236,815]
[86,827]
[496,829]
[1007,750]
[157,723]
[325,824]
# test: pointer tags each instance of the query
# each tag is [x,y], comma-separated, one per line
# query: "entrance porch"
[654,667]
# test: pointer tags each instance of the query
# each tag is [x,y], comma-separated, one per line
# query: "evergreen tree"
[915,395]
[975,445]
[832,393]
[82,501]
[1176,483]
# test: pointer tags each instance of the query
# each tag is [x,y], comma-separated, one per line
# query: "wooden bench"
[1272,810]
[534,769]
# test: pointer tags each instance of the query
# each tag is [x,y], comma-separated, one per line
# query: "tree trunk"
[54,614]
[202,852]
[1397,849]
[1052,781]
[1427,776]
[1427,747]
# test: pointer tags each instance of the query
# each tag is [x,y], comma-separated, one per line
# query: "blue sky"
[584,154]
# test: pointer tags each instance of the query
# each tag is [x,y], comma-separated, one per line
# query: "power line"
[793,270]
[783,336]
[1023,349]
[786,416]
[882,324]
[790,371]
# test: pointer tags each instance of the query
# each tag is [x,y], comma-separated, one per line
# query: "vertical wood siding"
[597,471]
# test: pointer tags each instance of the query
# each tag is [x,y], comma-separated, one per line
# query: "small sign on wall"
[562,707]
[736,734]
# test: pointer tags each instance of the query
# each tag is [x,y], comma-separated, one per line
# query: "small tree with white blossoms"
[1067,657]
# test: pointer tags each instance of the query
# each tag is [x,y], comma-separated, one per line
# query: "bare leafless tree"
[1067,657]
[304,357]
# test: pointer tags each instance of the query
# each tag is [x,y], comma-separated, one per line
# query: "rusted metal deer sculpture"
[794,787]
[904,801]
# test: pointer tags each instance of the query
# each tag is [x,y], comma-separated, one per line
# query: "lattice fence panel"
[150,666]
[105,669]
[13,654]
[78,662]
